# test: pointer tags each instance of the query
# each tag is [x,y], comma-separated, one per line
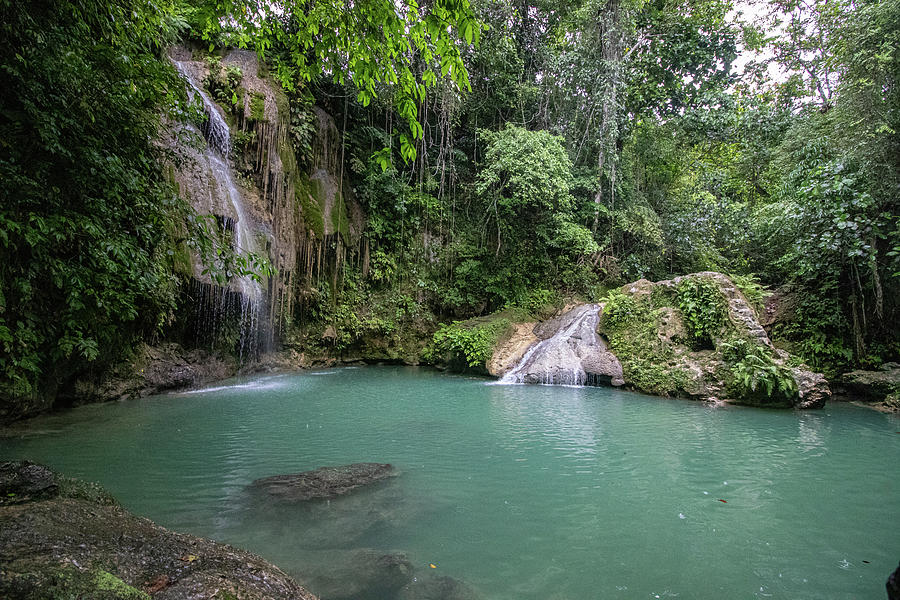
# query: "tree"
[366,43]
[524,191]
[87,221]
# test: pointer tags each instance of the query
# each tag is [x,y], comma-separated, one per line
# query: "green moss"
[107,582]
[631,324]
[340,223]
[257,106]
[52,582]
[282,103]
[309,195]
[288,158]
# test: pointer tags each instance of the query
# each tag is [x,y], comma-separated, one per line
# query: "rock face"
[881,387]
[60,538]
[325,482]
[567,351]
[513,349]
[642,338]
[154,370]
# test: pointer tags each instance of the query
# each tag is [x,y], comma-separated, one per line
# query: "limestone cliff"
[290,203]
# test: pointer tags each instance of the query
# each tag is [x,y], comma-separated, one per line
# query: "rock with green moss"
[63,539]
[697,336]
[694,336]
[882,387]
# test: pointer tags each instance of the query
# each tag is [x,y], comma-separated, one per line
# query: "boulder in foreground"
[61,538]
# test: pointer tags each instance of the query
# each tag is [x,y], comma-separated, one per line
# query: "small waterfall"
[246,301]
[573,355]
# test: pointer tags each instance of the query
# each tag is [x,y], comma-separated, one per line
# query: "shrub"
[754,372]
[474,344]
[703,309]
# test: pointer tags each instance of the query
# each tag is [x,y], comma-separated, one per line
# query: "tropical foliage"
[502,154]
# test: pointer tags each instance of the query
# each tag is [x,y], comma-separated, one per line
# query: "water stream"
[569,355]
[519,492]
[255,334]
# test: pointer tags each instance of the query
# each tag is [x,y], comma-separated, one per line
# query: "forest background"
[507,155]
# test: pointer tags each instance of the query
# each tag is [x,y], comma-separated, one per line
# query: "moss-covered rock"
[881,388]
[697,336]
[64,539]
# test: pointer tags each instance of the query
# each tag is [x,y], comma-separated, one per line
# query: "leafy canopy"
[368,43]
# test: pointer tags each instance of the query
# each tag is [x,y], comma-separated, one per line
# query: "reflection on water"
[511,492]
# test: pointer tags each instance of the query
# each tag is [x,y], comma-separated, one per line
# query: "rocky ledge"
[324,482]
[695,336]
[61,538]
[880,388]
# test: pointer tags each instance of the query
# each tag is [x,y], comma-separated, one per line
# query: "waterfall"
[573,355]
[245,299]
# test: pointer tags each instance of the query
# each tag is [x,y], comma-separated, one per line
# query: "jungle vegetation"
[507,154]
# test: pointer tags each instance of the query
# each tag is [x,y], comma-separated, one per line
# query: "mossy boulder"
[60,538]
[882,387]
[697,336]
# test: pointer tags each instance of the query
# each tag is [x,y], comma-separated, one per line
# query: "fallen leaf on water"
[723,501]
[432,565]
[188,558]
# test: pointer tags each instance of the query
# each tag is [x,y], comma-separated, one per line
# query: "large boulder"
[880,387]
[697,336]
[60,538]
[873,385]
[694,336]
[324,482]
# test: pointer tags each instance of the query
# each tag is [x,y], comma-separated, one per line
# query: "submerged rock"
[358,574]
[438,588]
[324,482]
[68,539]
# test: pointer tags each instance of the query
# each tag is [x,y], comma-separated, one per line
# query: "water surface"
[522,492]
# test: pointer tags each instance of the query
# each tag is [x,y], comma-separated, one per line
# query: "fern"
[754,371]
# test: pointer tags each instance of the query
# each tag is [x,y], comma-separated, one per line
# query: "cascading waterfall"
[573,355]
[245,300]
